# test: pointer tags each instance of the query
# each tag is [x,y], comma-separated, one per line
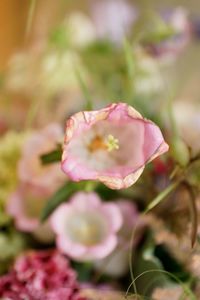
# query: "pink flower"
[25,206]
[31,170]
[118,16]
[86,228]
[111,145]
[40,276]
[117,263]
[177,19]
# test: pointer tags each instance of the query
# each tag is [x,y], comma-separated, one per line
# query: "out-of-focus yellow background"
[14,15]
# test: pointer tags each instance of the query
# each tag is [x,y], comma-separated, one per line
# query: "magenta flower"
[111,145]
[31,170]
[40,275]
[86,228]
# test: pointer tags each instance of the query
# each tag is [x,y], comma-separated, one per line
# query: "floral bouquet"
[99,181]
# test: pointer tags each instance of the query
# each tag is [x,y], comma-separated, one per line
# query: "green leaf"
[84,270]
[150,268]
[52,157]
[59,37]
[61,196]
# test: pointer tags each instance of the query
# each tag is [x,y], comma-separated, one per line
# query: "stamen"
[109,144]
[112,143]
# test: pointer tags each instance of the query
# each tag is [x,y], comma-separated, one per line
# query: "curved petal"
[121,183]
[114,216]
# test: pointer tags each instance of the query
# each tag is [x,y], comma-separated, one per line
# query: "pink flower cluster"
[44,275]
[37,182]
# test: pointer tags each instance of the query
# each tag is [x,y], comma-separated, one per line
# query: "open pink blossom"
[25,206]
[30,168]
[111,145]
[86,228]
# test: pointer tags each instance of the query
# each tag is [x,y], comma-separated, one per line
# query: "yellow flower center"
[98,143]
[86,231]
[112,143]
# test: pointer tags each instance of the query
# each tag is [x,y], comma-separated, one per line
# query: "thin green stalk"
[30,17]
[84,89]
[185,288]
[162,195]
[130,65]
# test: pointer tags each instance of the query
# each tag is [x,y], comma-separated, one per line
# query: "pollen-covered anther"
[112,143]
[97,143]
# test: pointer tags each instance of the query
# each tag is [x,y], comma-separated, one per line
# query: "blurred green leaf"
[180,151]
[147,262]
[61,196]
[52,157]
[59,37]
[170,264]
[193,173]
[84,271]
[155,30]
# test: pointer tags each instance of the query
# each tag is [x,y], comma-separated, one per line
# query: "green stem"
[30,17]
[162,195]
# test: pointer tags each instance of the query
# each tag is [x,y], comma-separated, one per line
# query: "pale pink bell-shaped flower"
[30,168]
[86,228]
[25,206]
[111,145]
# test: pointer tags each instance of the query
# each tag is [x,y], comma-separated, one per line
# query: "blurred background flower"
[41,274]
[86,228]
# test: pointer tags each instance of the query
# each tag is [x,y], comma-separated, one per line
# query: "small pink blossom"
[44,275]
[30,168]
[86,228]
[25,206]
[117,263]
[111,145]
[118,16]
[178,20]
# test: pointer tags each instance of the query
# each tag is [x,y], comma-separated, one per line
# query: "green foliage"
[61,196]
[59,37]
[84,271]
[52,157]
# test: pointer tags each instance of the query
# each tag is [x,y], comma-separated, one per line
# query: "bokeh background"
[61,57]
